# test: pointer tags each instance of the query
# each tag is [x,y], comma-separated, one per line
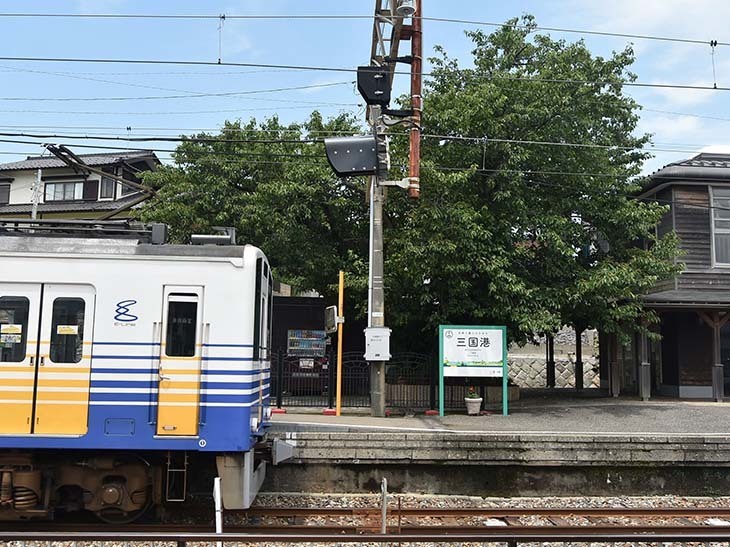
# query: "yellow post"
[340,326]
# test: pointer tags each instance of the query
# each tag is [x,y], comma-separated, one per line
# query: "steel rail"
[668,512]
[487,534]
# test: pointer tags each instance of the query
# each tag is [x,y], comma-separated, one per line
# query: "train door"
[45,358]
[19,308]
[262,331]
[179,367]
[64,360]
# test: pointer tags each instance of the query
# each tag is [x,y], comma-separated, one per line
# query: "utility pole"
[376,292]
[36,195]
[368,155]
[414,148]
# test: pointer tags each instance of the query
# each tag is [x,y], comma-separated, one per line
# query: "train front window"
[182,318]
[67,330]
[13,328]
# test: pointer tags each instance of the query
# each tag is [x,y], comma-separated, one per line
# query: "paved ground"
[588,416]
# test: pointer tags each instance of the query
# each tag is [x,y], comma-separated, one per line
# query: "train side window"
[257,312]
[13,328]
[182,319]
[67,330]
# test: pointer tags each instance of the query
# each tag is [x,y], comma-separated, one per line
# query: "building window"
[126,189]
[64,191]
[721,224]
[108,186]
[4,193]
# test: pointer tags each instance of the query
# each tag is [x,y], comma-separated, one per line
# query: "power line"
[717,118]
[672,202]
[351,70]
[294,17]
[188,95]
[576,31]
[159,138]
[176,112]
[485,140]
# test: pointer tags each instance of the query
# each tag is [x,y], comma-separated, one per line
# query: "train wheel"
[112,515]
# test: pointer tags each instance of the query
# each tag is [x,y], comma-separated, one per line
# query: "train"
[130,366]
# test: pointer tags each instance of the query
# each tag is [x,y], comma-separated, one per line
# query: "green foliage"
[516,234]
[526,235]
[280,196]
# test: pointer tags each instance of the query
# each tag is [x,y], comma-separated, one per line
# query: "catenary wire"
[189,95]
[293,17]
[351,70]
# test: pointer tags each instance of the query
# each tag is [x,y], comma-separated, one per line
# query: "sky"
[120,99]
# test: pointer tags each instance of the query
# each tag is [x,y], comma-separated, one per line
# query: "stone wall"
[531,372]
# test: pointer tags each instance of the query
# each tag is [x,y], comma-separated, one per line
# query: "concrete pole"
[644,368]
[578,358]
[36,195]
[376,308]
[550,361]
[718,370]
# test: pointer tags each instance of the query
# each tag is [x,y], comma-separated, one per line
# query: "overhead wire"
[190,95]
[293,17]
[354,70]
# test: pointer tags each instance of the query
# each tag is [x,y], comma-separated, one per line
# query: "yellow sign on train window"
[11,329]
[67,329]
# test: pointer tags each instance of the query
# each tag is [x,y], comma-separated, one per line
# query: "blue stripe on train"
[204,372]
[149,384]
[158,343]
[121,398]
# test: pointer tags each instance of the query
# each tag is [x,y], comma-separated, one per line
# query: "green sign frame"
[505,376]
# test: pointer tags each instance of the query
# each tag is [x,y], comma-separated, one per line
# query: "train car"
[126,363]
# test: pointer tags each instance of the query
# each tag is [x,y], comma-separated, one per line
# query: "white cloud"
[678,97]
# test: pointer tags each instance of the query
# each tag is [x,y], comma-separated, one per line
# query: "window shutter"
[91,190]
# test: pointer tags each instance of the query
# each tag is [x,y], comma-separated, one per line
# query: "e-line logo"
[122,312]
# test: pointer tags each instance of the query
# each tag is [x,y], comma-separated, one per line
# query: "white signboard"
[472,351]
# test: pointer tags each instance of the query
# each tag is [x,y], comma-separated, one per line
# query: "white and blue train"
[124,363]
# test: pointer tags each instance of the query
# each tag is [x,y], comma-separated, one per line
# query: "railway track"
[277,524]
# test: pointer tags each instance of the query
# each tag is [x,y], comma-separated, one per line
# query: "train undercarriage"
[122,487]
[116,488]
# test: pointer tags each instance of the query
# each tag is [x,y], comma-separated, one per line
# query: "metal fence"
[411,381]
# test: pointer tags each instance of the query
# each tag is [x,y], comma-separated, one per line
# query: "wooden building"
[692,359]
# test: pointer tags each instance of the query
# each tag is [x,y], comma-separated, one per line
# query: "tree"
[521,233]
[509,229]
[272,183]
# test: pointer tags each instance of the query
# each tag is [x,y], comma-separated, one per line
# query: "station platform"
[537,415]
[558,446]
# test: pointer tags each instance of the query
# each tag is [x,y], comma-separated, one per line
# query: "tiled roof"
[706,166]
[110,158]
[68,206]
[683,297]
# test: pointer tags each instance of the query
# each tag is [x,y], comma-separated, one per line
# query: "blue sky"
[337,43]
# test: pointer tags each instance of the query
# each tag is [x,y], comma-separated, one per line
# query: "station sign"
[472,351]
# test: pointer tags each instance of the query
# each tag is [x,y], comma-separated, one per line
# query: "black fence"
[411,382]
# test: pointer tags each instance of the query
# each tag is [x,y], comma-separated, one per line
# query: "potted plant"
[473,401]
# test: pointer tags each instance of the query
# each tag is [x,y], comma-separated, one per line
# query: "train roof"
[119,238]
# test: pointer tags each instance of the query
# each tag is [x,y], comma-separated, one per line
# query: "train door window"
[182,316]
[13,328]
[67,330]
[257,312]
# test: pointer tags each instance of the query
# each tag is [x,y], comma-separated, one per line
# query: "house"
[692,358]
[65,193]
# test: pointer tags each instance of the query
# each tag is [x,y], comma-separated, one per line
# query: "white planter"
[473,406]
